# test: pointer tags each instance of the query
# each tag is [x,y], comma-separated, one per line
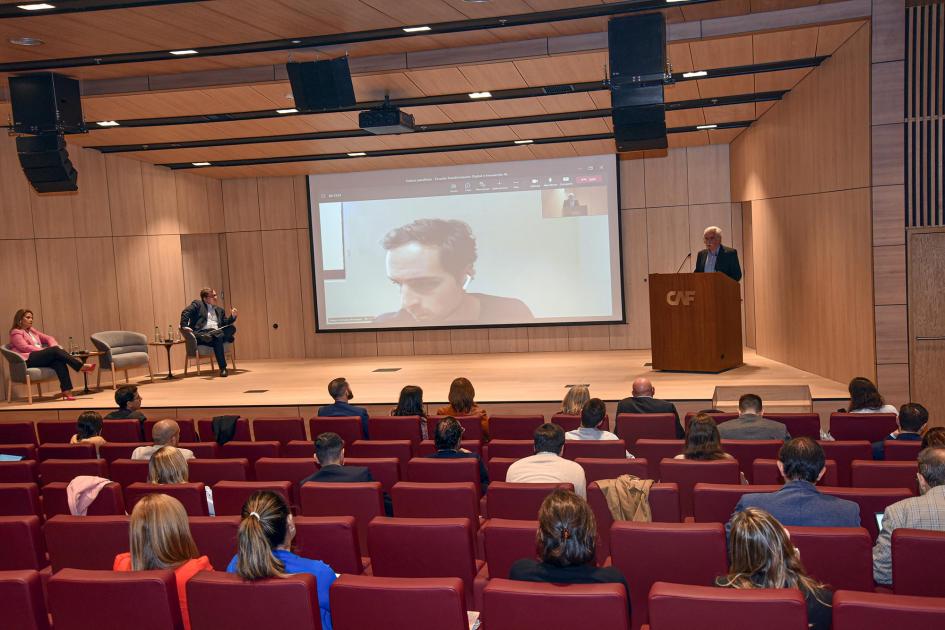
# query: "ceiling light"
[416,29]
[26,41]
[697,73]
[36,6]
[480,95]
[201,163]
[524,141]
[107,123]
[188,51]
[296,41]
[670,1]
[357,154]
[706,126]
[291,110]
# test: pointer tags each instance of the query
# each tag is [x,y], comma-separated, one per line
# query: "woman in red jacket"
[41,350]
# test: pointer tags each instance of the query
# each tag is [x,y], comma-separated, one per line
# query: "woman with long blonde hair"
[575,399]
[160,538]
[168,465]
[761,556]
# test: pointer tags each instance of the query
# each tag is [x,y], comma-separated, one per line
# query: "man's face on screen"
[427,291]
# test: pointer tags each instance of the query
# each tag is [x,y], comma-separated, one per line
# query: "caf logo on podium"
[675,298]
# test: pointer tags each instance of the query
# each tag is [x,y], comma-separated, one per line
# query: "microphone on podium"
[688,256]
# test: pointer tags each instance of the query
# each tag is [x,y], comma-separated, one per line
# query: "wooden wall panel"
[52,214]
[241,205]
[202,264]
[508,340]
[133,276]
[300,192]
[469,341]
[160,200]
[215,204]
[666,180]
[16,219]
[890,274]
[60,293]
[312,339]
[277,203]
[98,285]
[91,213]
[283,294]
[668,241]
[248,292]
[125,196]
[192,204]
[708,174]
[358,344]
[395,343]
[167,290]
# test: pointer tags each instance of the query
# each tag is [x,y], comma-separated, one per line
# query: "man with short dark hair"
[750,425]
[802,463]
[330,455]
[341,392]
[593,417]
[129,406]
[164,433]
[547,465]
[210,324]
[643,401]
[447,438]
[912,420]
[926,511]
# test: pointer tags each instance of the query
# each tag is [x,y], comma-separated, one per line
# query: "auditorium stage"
[505,383]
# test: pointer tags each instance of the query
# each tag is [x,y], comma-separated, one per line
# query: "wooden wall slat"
[283,294]
[98,286]
[248,292]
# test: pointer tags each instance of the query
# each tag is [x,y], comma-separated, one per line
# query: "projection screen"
[510,243]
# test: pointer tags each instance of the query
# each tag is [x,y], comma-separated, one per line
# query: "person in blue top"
[265,537]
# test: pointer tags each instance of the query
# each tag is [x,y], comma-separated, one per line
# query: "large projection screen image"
[510,243]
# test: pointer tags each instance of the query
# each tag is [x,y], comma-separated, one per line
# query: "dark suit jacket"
[483,473]
[195,316]
[337,409]
[334,473]
[800,503]
[879,451]
[727,262]
[646,404]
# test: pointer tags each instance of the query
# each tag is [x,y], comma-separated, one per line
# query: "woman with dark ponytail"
[265,539]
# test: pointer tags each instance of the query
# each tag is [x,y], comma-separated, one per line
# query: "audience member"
[593,418]
[410,403]
[88,430]
[41,350]
[574,400]
[934,437]
[330,457]
[643,401]
[168,465]
[926,511]
[865,398]
[761,556]
[264,541]
[802,464]
[129,406]
[447,438]
[160,539]
[702,440]
[912,420]
[341,392]
[750,425]
[547,465]
[566,545]
[462,403]
[163,433]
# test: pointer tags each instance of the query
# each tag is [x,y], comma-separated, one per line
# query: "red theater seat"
[331,539]
[428,447]
[191,495]
[293,469]
[682,607]
[597,449]
[765,472]
[506,541]
[281,430]
[23,471]
[654,451]
[715,503]
[870,474]
[844,453]
[386,470]
[798,424]
[401,450]
[520,427]
[570,422]
[111,452]
[471,424]
[216,538]
[595,469]
[298,449]
[85,542]
[24,607]
[187,431]
[348,427]
[143,600]
[201,450]
[437,500]
[128,471]
[747,451]
[210,471]
[875,611]
[48,450]
[205,430]
[51,470]
[872,427]
[248,450]
[514,605]
[914,570]
[55,431]
[871,502]
[17,433]
[108,501]
[19,499]
[363,501]
[22,544]
[664,508]
[26,451]
[122,430]
[229,496]
[429,470]
[901,450]
[718,417]
[498,467]
[359,601]
[682,553]
[839,556]
[651,426]
[395,428]
[511,449]
[687,473]
[518,500]
[224,600]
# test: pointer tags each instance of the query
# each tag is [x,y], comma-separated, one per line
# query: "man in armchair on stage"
[210,324]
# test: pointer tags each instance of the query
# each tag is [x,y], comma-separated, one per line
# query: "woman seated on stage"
[41,350]
[702,440]
[88,430]
[865,398]
[761,556]
[410,403]
[462,403]
[168,465]
[574,400]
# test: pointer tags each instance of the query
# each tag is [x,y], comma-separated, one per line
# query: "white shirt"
[548,468]
[145,452]
[586,433]
[883,409]
[212,323]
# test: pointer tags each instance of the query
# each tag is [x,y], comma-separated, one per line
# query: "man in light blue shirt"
[717,257]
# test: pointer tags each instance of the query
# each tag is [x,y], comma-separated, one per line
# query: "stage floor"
[503,381]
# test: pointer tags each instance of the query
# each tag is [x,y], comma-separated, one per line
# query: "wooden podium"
[695,322]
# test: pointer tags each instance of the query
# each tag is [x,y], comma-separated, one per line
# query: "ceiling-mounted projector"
[386,120]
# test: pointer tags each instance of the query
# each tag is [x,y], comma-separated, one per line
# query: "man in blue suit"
[330,456]
[340,390]
[802,464]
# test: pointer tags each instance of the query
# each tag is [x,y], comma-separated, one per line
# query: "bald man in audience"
[643,401]
[164,433]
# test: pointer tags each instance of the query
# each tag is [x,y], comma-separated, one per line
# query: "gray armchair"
[121,350]
[196,351]
[19,373]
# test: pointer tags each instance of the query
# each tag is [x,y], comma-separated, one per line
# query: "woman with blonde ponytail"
[265,539]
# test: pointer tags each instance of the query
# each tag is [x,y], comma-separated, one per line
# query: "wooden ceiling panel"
[518,107]
[510,154]
[726,86]
[710,10]
[375,87]
[684,91]
[576,102]
[594,147]
[493,76]
[582,127]
[419,11]
[729,113]
[721,53]
[468,111]
[679,56]
[778,5]
[563,68]
[688,139]
[602,99]
[178,103]
[538,130]
[779,45]
[425,115]
[476,10]
[441,81]
[781,80]
[831,36]
[723,136]
[550,151]
[685,118]
[761,108]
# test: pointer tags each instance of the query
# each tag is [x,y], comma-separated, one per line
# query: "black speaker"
[46,164]
[46,103]
[321,85]
[637,46]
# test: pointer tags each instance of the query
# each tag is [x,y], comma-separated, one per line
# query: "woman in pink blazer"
[41,350]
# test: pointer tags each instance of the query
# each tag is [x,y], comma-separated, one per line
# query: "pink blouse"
[23,342]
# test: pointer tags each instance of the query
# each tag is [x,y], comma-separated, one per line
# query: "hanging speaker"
[46,103]
[46,164]
[321,85]
[637,47]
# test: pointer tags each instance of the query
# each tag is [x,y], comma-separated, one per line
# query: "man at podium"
[717,257]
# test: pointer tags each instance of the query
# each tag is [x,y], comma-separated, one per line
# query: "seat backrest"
[205,430]
[570,422]
[188,432]
[512,449]
[122,430]
[653,451]
[765,472]
[718,417]
[128,471]
[883,474]
[871,502]
[428,447]
[913,573]
[395,428]
[715,503]
[120,341]
[67,469]
[383,469]
[26,451]
[361,601]
[595,469]
[23,471]
[224,600]
[23,546]
[518,501]
[880,611]
[872,427]
[23,604]
[331,539]
[55,431]
[430,470]
[108,501]
[216,538]
[901,450]
[119,450]
[437,500]
[19,499]
[798,424]
[471,424]
[844,453]
[682,553]
[679,606]
[512,605]
[229,496]
[401,450]
[664,508]
[281,430]
[85,542]
[348,427]
[292,469]
[65,451]
[498,467]
[18,433]
[191,495]
[599,449]
[201,450]
[821,547]
[249,450]
[687,473]
[653,426]
[747,451]
[298,449]
[519,427]
[210,471]
[506,541]
[363,501]
[144,600]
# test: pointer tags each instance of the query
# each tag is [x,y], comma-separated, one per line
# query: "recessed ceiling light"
[524,141]
[26,41]
[36,6]
[357,154]
[201,163]
[290,110]
[107,123]
[416,29]
[480,95]
[188,51]
[706,126]
[696,73]
[670,1]
[296,41]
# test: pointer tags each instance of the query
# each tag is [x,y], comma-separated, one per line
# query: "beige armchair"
[195,351]
[20,373]
[122,350]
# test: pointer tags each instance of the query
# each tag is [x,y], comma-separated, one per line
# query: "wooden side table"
[85,355]
[167,344]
